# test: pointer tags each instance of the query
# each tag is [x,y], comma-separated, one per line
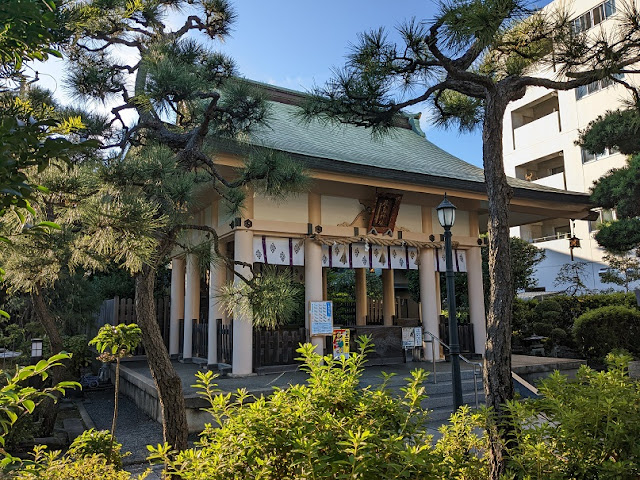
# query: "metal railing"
[475,365]
[548,238]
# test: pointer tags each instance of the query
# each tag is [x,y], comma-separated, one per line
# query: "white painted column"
[429,304]
[388,297]
[361,296]
[313,268]
[242,362]
[476,299]
[191,304]
[177,305]
[313,285]
[217,278]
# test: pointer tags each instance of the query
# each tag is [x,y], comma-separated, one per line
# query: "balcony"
[555,181]
[549,238]
[537,131]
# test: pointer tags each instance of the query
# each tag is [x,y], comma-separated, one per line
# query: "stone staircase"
[440,394]
[440,399]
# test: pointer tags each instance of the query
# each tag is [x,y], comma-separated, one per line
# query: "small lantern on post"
[574,242]
[36,349]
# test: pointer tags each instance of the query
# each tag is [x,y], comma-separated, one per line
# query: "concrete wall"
[292,209]
[142,391]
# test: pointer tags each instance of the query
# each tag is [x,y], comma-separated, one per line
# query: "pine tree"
[470,62]
[190,103]
[620,188]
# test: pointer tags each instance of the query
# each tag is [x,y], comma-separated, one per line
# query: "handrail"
[462,357]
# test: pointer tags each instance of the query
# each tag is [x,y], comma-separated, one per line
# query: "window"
[596,86]
[604,216]
[593,17]
[590,157]
[555,170]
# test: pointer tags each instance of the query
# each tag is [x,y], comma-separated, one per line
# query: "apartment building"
[540,131]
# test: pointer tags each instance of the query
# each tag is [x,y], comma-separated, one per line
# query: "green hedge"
[554,317]
[601,330]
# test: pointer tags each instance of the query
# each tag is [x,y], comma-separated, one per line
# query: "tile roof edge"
[287,96]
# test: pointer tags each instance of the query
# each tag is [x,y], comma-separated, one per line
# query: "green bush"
[95,442]
[53,466]
[78,346]
[326,428]
[599,331]
[542,317]
[582,429]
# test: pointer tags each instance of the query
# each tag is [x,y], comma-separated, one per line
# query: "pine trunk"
[498,385]
[48,407]
[168,383]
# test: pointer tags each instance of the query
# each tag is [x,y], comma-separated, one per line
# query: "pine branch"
[229,263]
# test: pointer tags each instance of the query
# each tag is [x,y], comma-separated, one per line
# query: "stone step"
[446,400]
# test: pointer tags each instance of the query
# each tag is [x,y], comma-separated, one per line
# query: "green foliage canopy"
[620,190]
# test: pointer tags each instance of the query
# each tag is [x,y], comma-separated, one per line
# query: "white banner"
[459,260]
[278,250]
[360,255]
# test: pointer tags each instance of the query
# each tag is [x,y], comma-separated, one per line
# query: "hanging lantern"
[574,242]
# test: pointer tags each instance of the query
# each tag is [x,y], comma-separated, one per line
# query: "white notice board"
[321,318]
[411,337]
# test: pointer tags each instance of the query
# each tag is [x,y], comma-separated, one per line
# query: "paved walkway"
[265,383]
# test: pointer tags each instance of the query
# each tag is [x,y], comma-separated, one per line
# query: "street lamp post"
[447,216]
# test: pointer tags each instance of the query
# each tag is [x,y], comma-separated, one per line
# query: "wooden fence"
[225,341]
[345,312]
[122,310]
[465,336]
[277,347]
[375,312]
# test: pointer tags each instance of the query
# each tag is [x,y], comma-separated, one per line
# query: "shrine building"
[370,207]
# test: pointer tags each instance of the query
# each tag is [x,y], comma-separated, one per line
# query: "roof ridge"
[288,96]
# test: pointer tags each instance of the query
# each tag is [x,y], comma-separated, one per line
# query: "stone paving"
[265,383]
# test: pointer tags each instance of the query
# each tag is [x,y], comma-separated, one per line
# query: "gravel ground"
[134,430]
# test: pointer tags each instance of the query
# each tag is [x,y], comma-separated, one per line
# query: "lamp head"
[446,213]
[36,348]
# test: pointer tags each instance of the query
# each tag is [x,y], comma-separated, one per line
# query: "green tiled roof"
[404,154]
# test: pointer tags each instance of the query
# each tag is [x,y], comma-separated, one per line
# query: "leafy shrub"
[598,332]
[462,450]
[327,428]
[590,430]
[543,316]
[53,466]
[96,442]
[81,354]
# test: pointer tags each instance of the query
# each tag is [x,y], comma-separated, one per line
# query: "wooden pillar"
[325,292]
[217,279]
[429,301]
[429,288]
[242,361]
[313,290]
[476,299]
[191,304]
[361,296]
[177,305]
[388,297]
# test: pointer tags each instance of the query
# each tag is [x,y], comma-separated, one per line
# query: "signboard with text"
[411,337]
[340,343]
[321,318]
